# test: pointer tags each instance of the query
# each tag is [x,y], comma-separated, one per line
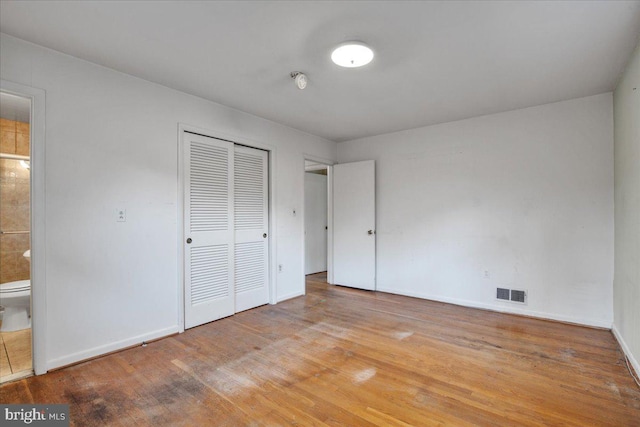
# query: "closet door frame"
[182,128]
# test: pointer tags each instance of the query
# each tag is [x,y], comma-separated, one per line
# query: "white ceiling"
[435,61]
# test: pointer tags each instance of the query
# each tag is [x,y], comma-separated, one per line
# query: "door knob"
[264,235]
[189,240]
[370,232]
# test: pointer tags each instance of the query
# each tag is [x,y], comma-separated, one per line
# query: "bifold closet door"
[251,228]
[209,230]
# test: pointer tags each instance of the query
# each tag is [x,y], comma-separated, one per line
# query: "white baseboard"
[111,347]
[626,349]
[290,296]
[502,309]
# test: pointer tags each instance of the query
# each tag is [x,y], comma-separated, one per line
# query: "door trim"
[38,221]
[271,149]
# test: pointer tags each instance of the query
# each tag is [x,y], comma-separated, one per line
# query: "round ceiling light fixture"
[352,55]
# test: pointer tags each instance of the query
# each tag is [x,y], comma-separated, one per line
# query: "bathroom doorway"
[15,237]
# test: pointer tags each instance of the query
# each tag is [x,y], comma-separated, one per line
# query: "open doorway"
[15,237]
[316,220]
[350,227]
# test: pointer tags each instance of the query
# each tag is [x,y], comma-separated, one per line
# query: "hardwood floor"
[341,356]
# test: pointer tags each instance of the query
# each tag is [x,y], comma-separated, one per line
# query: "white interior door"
[208,229]
[251,228]
[354,221]
[315,223]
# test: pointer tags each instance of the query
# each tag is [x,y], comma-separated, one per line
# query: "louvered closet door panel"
[251,226]
[208,217]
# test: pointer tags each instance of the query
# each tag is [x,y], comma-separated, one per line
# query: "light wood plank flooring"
[341,356]
[15,354]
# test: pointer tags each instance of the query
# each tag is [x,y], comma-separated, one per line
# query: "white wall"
[111,142]
[522,199]
[315,223]
[626,284]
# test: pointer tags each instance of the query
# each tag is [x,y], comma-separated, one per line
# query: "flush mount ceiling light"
[300,78]
[352,55]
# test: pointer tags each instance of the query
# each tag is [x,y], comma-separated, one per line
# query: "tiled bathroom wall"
[14,201]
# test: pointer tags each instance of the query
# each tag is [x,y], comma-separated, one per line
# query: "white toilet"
[15,297]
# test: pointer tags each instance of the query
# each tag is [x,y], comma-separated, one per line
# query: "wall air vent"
[518,296]
[511,295]
[503,294]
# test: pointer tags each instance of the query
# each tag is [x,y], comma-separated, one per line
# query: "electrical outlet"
[121,215]
[280,268]
[487,275]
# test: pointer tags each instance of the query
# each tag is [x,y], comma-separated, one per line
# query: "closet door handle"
[264,235]
[189,240]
